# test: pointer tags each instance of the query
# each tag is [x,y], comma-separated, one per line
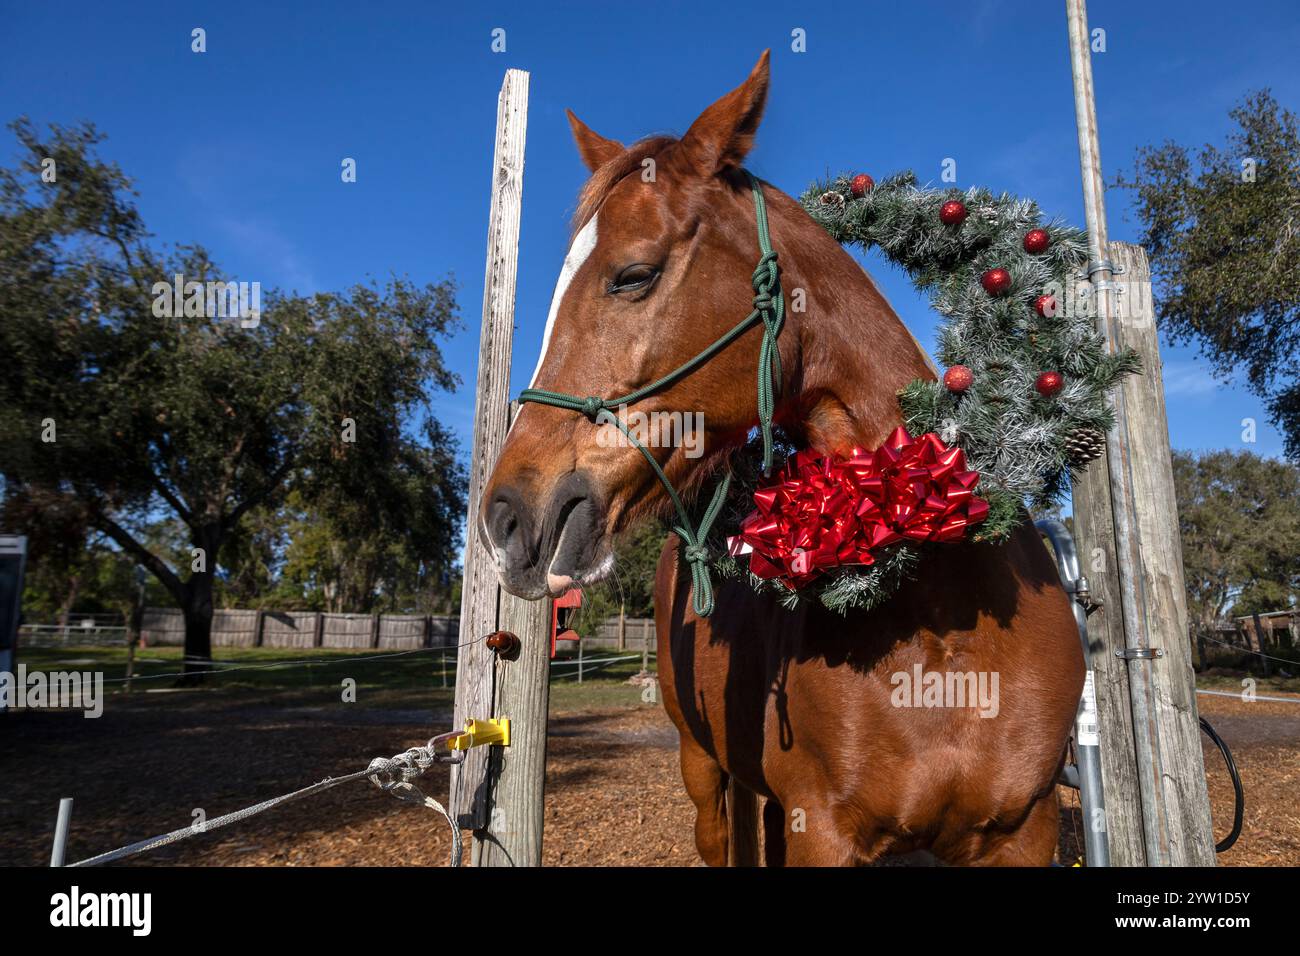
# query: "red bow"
[822,511]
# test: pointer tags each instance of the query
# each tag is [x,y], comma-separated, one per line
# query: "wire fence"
[246,628]
[209,668]
[1237,648]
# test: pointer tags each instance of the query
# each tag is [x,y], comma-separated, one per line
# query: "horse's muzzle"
[543,548]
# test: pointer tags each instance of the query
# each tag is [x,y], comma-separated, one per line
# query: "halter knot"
[694,554]
[766,276]
[592,406]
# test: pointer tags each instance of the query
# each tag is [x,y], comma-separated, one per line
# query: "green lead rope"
[769,308]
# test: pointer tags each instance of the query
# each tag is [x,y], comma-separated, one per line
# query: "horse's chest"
[893,726]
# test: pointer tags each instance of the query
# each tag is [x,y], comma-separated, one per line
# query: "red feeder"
[562,609]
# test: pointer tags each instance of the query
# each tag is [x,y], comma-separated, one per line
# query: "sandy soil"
[613,792]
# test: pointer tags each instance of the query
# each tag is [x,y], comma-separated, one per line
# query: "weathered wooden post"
[513,836]
[1259,644]
[497,791]
[1126,521]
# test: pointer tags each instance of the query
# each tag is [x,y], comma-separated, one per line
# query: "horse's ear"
[724,133]
[594,149]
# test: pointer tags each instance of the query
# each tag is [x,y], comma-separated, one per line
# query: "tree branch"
[173,499]
[257,498]
[143,555]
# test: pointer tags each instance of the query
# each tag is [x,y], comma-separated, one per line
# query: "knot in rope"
[695,553]
[592,406]
[389,772]
[767,274]
[771,309]
[394,775]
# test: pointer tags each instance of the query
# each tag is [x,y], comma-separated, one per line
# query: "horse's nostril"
[534,547]
[505,530]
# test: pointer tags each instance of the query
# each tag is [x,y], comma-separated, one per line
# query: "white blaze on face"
[583,243]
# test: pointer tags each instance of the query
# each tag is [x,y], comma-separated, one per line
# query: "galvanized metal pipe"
[1155,818]
[61,826]
[1087,776]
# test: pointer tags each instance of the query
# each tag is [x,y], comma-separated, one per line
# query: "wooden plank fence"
[240,627]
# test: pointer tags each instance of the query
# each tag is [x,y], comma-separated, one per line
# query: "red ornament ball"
[953,213]
[861,184]
[1037,240]
[996,281]
[1049,383]
[1045,305]
[958,378]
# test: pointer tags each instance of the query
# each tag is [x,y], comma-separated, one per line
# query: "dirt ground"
[614,796]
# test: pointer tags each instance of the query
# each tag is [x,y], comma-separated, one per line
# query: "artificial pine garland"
[1028,375]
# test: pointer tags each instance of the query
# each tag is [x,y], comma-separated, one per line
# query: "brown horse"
[814,712]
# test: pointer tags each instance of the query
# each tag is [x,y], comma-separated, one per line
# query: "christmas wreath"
[1022,405]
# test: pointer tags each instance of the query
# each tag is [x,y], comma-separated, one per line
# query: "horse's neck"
[853,351]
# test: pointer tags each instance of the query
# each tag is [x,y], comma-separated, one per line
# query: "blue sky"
[239,148]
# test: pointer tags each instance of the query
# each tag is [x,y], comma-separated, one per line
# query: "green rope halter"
[769,308]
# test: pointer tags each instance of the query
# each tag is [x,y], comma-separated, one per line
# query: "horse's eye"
[634,278]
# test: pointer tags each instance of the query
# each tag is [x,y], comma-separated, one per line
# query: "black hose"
[1239,806]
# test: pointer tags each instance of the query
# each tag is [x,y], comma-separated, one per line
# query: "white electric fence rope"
[390,774]
[1237,695]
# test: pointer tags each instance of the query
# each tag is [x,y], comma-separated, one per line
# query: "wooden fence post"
[1157,805]
[513,836]
[1175,797]
[1259,644]
[497,792]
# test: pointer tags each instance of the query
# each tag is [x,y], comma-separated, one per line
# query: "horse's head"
[660,267]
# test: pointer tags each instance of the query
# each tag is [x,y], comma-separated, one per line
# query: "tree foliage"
[631,586]
[134,415]
[1239,517]
[1222,226]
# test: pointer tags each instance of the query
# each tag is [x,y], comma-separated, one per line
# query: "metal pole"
[1092,800]
[579,658]
[1138,653]
[61,831]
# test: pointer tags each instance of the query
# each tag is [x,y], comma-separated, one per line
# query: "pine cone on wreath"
[1084,445]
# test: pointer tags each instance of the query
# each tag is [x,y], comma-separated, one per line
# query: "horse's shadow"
[956,586]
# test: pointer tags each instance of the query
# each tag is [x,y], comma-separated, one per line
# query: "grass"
[383,679]
[1219,679]
[399,679]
